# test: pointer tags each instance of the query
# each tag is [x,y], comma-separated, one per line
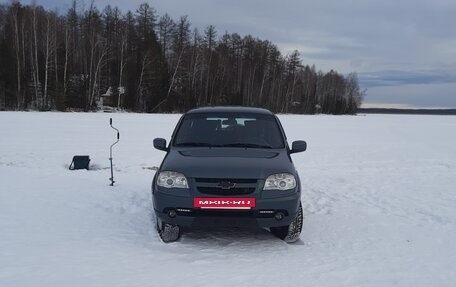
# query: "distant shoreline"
[443,112]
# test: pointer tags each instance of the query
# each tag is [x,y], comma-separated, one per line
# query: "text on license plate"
[224,203]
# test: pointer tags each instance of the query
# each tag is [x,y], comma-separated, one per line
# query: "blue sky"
[404,51]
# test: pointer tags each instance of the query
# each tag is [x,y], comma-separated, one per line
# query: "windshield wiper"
[196,144]
[247,145]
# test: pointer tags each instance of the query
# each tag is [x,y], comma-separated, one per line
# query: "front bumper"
[272,209]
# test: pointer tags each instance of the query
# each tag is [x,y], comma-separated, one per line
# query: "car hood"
[228,162]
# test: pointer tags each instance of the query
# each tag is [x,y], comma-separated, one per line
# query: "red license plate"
[224,203]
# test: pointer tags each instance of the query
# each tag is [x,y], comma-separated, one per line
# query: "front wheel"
[290,233]
[167,232]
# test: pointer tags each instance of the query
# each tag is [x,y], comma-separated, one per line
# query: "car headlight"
[280,181]
[172,179]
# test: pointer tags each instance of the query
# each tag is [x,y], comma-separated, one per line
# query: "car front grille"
[225,186]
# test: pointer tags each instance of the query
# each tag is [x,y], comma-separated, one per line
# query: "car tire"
[290,233]
[167,232]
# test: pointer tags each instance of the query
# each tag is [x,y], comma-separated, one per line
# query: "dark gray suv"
[228,166]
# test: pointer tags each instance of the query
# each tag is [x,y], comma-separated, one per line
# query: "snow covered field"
[379,203]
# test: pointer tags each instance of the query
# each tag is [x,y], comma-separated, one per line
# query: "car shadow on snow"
[226,236]
[230,236]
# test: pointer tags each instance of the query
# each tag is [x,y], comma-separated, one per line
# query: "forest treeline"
[66,61]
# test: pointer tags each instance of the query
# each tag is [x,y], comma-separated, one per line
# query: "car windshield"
[229,130]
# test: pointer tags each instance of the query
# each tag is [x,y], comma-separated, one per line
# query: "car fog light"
[279,216]
[172,213]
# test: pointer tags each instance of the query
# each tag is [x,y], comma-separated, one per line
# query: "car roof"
[230,109]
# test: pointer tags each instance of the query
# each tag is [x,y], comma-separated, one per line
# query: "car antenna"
[110,151]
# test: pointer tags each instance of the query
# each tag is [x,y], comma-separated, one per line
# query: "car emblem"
[226,185]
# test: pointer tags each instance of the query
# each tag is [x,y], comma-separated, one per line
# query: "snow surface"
[379,202]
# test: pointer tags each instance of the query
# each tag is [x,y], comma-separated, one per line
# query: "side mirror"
[298,146]
[160,144]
